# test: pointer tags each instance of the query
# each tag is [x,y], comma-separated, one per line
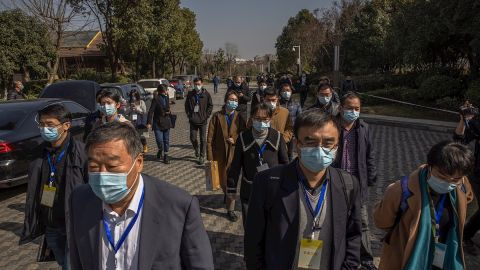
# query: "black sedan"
[20,141]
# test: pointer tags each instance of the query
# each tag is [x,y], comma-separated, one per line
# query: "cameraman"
[468,129]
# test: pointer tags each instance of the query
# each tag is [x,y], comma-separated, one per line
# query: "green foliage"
[448,103]
[397,93]
[440,86]
[34,88]
[473,93]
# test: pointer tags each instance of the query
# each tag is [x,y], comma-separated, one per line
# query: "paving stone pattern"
[399,151]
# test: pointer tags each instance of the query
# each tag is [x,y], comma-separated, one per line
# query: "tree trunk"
[58,42]
[26,74]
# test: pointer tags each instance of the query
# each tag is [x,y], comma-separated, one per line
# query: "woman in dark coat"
[159,119]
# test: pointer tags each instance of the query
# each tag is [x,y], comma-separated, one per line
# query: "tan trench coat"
[218,149]
[402,241]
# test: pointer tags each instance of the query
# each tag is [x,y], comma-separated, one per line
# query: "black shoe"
[197,153]
[368,265]
[166,159]
[159,154]
[470,247]
[232,216]
[201,161]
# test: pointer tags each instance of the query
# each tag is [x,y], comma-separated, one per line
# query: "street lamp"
[299,57]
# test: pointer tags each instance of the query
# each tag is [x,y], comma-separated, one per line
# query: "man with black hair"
[468,130]
[294,110]
[199,107]
[257,96]
[305,214]
[325,100]
[424,213]
[356,155]
[52,178]
[244,96]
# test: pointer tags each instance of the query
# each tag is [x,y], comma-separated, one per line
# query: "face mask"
[271,105]
[50,134]
[324,100]
[260,126]
[108,109]
[440,186]
[198,88]
[315,159]
[110,187]
[232,105]
[238,84]
[351,115]
[286,95]
[263,87]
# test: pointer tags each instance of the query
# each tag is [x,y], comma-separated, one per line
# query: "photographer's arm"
[462,133]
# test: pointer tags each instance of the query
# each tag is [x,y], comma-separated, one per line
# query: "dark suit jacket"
[273,220]
[172,235]
[367,168]
[159,113]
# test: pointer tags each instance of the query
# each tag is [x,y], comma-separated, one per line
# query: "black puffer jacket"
[206,106]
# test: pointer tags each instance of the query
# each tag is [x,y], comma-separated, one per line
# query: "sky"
[253,25]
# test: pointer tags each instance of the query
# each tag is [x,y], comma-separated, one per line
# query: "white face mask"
[263,87]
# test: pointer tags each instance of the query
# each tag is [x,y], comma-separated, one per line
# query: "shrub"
[473,93]
[397,93]
[34,88]
[438,87]
[448,103]
[370,82]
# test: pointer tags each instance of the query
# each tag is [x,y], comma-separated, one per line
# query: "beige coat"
[218,149]
[402,241]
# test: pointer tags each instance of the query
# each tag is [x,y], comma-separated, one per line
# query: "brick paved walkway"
[399,151]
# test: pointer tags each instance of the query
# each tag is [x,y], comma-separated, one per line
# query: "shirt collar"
[133,206]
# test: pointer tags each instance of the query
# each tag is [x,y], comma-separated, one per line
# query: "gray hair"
[116,131]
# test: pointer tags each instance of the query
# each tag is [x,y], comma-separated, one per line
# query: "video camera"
[468,109]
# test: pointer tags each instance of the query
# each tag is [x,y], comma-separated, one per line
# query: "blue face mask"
[232,105]
[50,134]
[108,109]
[351,115]
[315,159]
[324,100]
[260,126]
[110,187]
[440,186]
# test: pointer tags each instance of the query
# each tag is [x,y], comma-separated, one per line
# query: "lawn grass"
[399,110]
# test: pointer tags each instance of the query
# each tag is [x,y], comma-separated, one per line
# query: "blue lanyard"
[197,99]
[127,231]
[320,200]
[229,120]
[438,213]
[53,169]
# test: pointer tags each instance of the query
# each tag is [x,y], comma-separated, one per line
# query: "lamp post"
[299,63]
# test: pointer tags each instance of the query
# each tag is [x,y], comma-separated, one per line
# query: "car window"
[11,118]
[76,110]
[149,84]
[141,90]
[165,82]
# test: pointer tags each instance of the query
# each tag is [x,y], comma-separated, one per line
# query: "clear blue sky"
[253,25]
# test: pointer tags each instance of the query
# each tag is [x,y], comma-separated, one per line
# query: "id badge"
[310,254]
[262,167]
[196,108]
[48,196]
[134,117]
[439,256]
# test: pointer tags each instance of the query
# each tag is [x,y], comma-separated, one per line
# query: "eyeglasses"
[326,147]
[40,125]
[262,119]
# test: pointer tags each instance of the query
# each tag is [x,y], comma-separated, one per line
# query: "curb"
[422,124]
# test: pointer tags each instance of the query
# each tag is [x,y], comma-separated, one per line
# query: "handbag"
[212,177]
[173,119]
[141,121]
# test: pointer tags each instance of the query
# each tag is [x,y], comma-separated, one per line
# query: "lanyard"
[197,99]
[321,199]
[127,231]
[436,214]
[260,153]
[229,120]
[53,169]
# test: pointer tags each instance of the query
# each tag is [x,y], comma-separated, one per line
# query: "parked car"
[188,79]
[20,140]
[179,86]
[151,85]
[82,92]
[124,91]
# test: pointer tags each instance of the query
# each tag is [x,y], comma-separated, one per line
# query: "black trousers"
[194,130]
[473,224]
[303,95]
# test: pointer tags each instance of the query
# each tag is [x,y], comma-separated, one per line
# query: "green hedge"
[440,86]
[34,88]
[397,93]
[473,93]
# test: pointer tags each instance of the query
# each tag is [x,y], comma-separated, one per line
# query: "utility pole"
[299,61]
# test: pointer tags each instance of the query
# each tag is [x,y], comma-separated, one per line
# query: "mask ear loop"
[138,174]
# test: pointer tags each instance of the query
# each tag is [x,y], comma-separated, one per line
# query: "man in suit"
[291,222]
[126,220]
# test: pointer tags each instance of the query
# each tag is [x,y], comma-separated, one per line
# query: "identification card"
[134,117]
[146,135]
[439,256]
[48,196]
[310,254]
[196,108]
[262,167]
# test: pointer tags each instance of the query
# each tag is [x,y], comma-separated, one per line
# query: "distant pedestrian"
[138,116]
[294,110]
[216,82]
[306,214]
[61,168]
[243,92]
[356,155]
[424,213]
[258,148]
[326,80]
[229,82]
[159,119]
[124,219]
[223,131]
[258,95]
[16,92]
[303,89]
[199,107]
[281,120]
[325,100]
[348,85]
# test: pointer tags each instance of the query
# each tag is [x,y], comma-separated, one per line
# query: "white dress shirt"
[126,257]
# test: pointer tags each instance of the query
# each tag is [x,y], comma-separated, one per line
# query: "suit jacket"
[273,220]
[172,235]
[367,168]
[159,113]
